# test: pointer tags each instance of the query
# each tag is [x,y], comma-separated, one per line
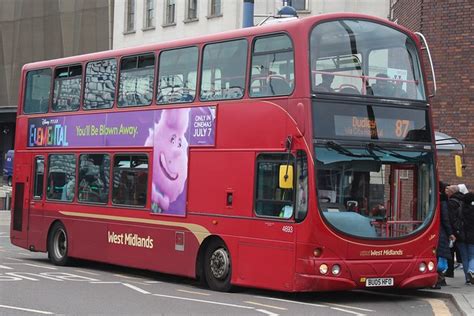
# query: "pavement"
[461,295]
[5,191]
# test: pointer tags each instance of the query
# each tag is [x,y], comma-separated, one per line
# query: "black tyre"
[218,266]
[58,245]
[9,181]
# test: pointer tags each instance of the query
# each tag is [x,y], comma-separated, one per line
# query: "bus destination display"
[385,128]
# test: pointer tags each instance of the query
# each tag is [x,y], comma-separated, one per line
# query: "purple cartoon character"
[170,161]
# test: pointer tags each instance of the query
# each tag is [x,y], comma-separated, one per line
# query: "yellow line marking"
[199,231]
[192,292]
[269,306]
[439,307]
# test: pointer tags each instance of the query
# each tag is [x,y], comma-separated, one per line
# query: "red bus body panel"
[267,253]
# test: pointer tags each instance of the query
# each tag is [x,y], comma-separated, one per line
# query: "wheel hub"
[60,243]
[220,263]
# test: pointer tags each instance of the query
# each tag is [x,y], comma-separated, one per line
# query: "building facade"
[140,22]
[32,30]
[448,27]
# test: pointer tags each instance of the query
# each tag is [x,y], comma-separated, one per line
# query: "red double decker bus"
[296,157]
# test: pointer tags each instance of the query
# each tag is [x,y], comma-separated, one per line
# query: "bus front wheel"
[58,245]
[217,267]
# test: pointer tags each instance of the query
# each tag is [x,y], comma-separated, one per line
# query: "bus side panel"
[221,183]
[168,249]
[165,249]
[266,263]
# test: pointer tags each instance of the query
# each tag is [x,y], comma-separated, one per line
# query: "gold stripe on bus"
[199,231]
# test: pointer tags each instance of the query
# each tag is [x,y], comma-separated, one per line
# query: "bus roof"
[294,25]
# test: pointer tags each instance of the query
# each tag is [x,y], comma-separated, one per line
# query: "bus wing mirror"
[286,177]
[458,164]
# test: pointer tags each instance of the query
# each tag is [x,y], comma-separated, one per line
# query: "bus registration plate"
[373,282]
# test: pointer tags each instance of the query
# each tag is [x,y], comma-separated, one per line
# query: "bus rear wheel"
[218,267]
[58,245]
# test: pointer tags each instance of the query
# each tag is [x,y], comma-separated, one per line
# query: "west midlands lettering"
[130,240]
[48,135]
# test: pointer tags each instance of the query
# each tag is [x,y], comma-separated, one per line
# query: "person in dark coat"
[455,200]
[443,251]
[466,245]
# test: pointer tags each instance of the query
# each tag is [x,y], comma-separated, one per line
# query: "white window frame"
[211,5]
[149,23]
[167,4]
[188,18]
[128,5]
[306,6]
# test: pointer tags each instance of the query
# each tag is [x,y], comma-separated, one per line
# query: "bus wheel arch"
[214,265]
[57,244]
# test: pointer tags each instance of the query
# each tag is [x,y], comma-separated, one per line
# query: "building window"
[215,8]
[191,10]
[299,5]
[170,12]
[130,16]
[149,14]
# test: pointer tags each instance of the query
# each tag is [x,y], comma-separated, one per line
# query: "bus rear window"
[130,180]
[100,84]
[38,89]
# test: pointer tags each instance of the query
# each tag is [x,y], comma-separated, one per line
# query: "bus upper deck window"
[137,74]
[177,75]
[272,66]
[100,84]
[359,57]
[67,88]
[38,90]
[223,70]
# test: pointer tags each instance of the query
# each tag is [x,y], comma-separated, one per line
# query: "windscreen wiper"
[370,149]
[390,152]
[342,150]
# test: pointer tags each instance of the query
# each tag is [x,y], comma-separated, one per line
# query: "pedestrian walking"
[446,238]
[466,244]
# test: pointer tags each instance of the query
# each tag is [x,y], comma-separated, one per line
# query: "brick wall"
[448,27]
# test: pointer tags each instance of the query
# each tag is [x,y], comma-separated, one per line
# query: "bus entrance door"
[403,187]
[21,200]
